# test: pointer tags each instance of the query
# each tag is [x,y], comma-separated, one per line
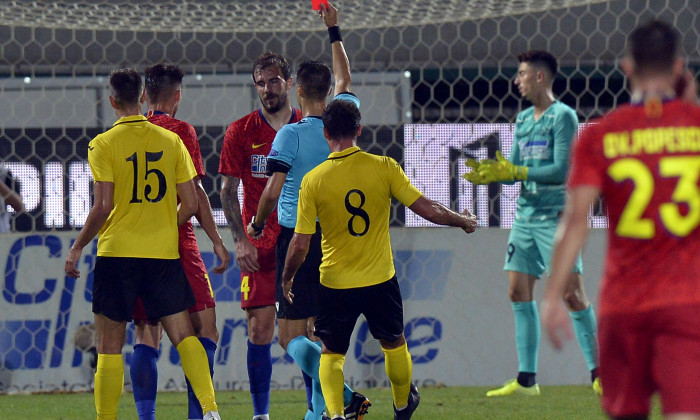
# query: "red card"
[316,4]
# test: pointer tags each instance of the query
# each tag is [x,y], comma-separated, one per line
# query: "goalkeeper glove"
[501,170]
[474,177]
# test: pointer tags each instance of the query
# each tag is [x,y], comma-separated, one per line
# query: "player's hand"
[287,290]
[555,320]
[501,170]
[224,256]
[247,256]
[471,221]
[72,263]
[329,15]
[255,234]
[474,176]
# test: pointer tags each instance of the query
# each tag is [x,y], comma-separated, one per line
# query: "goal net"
[435,80]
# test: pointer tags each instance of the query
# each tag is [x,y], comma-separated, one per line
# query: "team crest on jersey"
[258,166]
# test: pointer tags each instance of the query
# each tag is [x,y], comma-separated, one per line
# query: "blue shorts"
[530,250]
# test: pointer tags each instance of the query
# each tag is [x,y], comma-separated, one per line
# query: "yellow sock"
[330,372]
[109,382]
[196,366]
[399,369]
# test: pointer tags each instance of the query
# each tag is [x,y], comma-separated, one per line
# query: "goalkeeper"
[539,158]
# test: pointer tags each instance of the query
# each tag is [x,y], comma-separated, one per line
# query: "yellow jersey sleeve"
[401,186]
[307,212]
[185,166]
[100,159]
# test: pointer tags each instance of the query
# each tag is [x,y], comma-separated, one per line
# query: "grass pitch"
[437,403]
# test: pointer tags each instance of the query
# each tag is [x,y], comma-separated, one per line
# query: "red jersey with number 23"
[247,143]
[645,159]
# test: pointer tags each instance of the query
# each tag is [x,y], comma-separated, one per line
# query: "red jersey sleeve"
[231,163]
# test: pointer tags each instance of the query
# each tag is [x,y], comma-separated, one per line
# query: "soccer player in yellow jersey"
[140,170]
[350,194]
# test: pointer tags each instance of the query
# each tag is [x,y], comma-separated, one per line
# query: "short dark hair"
[540,58]
[653,46]
[315,78]
[162,79]
[126,86]
[341,119]
[270,59]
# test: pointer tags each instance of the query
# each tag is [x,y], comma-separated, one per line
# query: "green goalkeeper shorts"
[530,250]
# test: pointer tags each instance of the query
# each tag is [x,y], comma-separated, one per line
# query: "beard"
[273,103]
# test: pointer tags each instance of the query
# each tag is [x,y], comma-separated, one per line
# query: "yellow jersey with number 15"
[145,162]
[350,194]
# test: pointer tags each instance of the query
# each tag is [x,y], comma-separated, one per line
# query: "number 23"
[632,224]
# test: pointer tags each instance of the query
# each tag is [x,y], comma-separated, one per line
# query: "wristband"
[255,227]
[334,34]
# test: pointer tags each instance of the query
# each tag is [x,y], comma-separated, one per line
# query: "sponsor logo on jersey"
[258,166]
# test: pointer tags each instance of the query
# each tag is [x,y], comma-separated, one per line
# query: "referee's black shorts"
[381,305]
[160,283]
[306,280]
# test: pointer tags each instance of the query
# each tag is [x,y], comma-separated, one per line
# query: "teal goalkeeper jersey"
[543,146]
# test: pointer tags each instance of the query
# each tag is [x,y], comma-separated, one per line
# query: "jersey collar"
[344,153]
[131,119]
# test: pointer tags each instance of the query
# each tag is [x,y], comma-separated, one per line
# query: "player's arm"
[568,242]
[11,197]
[102,207]
[205,217]
[341,64]
[188,201]
[246,253]
[267,203]
[298,248]
[435,212]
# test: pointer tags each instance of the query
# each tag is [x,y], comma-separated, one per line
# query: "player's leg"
[202,315]
[382,306]
[524,265]
[585,325]
[334,326]
[575,299]
[193,358]
[166,297]
[292,319]
[258,300]
[109,376]
[306,354]
[204,324]
[261,329]
[113,302]
[143,369]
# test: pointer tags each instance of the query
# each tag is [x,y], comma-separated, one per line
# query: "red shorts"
[649,352]
[258,289]
[197,275]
